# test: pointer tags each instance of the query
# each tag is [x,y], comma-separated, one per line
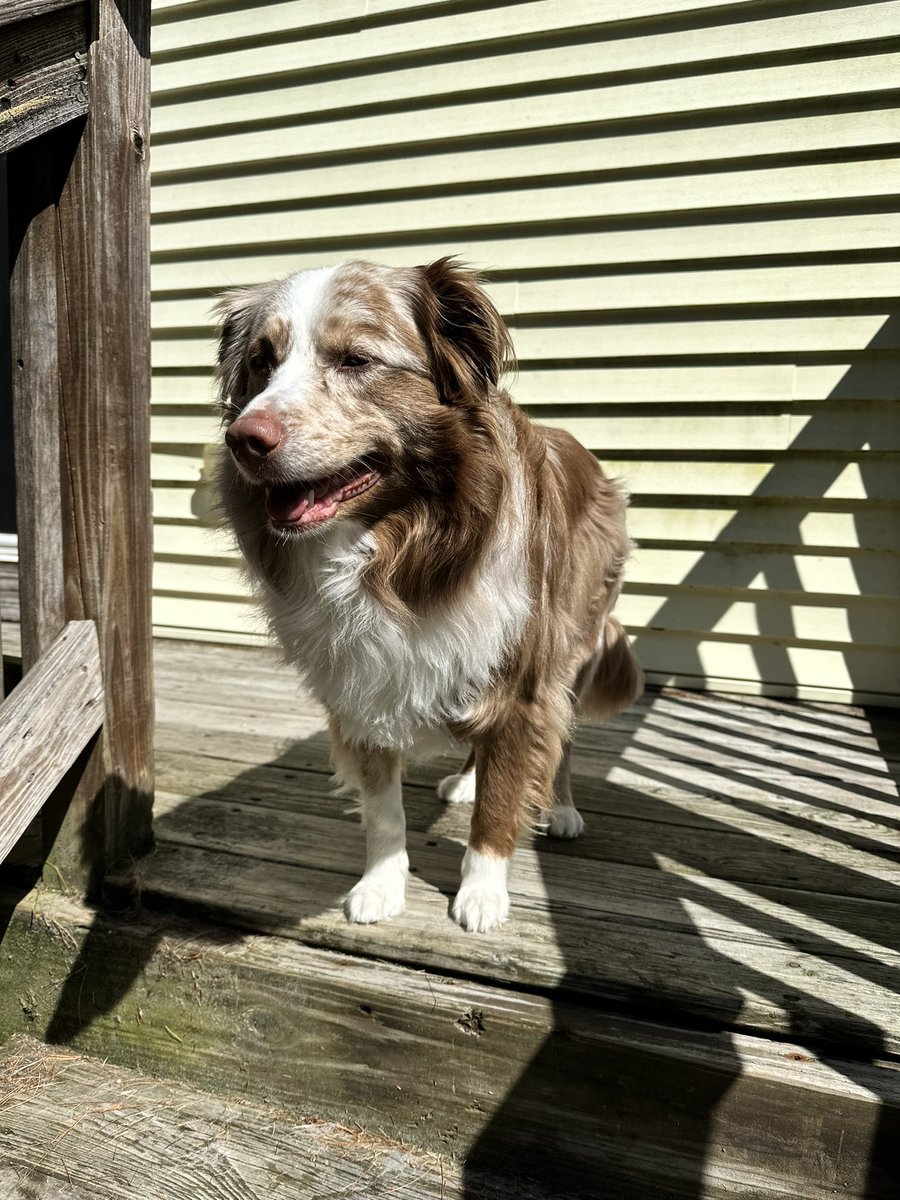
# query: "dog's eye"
[353,362]
[261,364]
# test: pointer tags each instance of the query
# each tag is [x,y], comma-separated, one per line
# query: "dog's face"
[344,386]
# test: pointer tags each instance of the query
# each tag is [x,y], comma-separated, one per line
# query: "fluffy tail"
[612,679]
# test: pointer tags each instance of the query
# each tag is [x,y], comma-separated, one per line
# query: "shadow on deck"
[698,998]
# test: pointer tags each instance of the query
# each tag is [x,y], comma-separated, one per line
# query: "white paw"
[458,789]
[479,908]
[377,897]
[565,822]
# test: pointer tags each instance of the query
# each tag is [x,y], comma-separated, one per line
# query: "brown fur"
[578,551]
[614,680]
[270,347]
[241,310]
[469,344]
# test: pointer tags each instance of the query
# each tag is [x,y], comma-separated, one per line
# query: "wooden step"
[511,1082]
[76,1128]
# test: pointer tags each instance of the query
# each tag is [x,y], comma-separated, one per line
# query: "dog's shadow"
[286,817]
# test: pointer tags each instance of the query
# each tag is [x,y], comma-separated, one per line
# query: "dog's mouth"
[309,503]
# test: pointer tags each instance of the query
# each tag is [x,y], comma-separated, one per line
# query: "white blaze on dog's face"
[326,375]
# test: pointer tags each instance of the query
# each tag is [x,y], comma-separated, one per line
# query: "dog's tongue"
[287,503]
[301,504]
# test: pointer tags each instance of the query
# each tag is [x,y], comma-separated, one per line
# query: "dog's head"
[346,388]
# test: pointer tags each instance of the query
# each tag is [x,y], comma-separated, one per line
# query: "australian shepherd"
[434,564]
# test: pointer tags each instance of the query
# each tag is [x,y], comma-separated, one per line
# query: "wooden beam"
[45,724]
[36,172]
[43,69]
[104,362]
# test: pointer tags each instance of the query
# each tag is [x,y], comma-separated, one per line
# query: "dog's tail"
[612,678]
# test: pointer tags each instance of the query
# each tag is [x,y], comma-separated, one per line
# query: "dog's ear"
[238,311]
[469,344]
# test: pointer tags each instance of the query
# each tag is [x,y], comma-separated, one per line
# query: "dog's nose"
[252,439]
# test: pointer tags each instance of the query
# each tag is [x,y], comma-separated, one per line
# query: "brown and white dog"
[430,560]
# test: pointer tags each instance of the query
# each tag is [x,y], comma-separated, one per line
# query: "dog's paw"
[565,822]
[480,908]
[458,789]
[482,902]
[377,897]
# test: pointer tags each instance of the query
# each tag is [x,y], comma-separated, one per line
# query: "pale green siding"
[689,216]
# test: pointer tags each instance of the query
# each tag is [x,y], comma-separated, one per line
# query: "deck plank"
[182,666]
[678,950]
[62,1112]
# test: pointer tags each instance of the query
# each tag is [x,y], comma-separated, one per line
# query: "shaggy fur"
[432,562]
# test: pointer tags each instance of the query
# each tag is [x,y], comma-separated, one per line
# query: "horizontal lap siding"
[687,215]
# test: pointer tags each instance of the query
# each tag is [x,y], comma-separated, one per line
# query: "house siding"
[688,216]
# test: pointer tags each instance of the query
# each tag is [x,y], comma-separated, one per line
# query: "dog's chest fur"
[391,683]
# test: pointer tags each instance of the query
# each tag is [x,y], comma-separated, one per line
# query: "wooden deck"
[697,998]
[741,862]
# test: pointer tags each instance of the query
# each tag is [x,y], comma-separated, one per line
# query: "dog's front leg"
[482,902]
[375,774]
[513,766]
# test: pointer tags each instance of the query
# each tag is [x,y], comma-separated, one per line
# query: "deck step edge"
[496,1078]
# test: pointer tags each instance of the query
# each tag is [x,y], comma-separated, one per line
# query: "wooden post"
[7,485]
[104,216]
[81,317]
[36,389]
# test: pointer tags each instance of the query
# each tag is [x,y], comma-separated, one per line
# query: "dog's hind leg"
[459,789]
[375,774]
[564,820]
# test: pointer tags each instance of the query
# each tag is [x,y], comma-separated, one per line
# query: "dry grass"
[26,1066]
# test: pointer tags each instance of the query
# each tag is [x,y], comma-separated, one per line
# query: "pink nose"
[252,439]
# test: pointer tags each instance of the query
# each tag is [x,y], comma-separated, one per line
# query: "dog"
[434,564]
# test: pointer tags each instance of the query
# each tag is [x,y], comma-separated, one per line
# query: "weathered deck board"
[741,862]
[79,1129]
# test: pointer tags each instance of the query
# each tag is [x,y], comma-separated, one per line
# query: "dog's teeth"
[311,498]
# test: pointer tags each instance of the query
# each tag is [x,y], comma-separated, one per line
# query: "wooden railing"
[45,724]
[78,203]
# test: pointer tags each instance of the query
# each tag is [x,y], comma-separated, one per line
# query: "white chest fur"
[394,684]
